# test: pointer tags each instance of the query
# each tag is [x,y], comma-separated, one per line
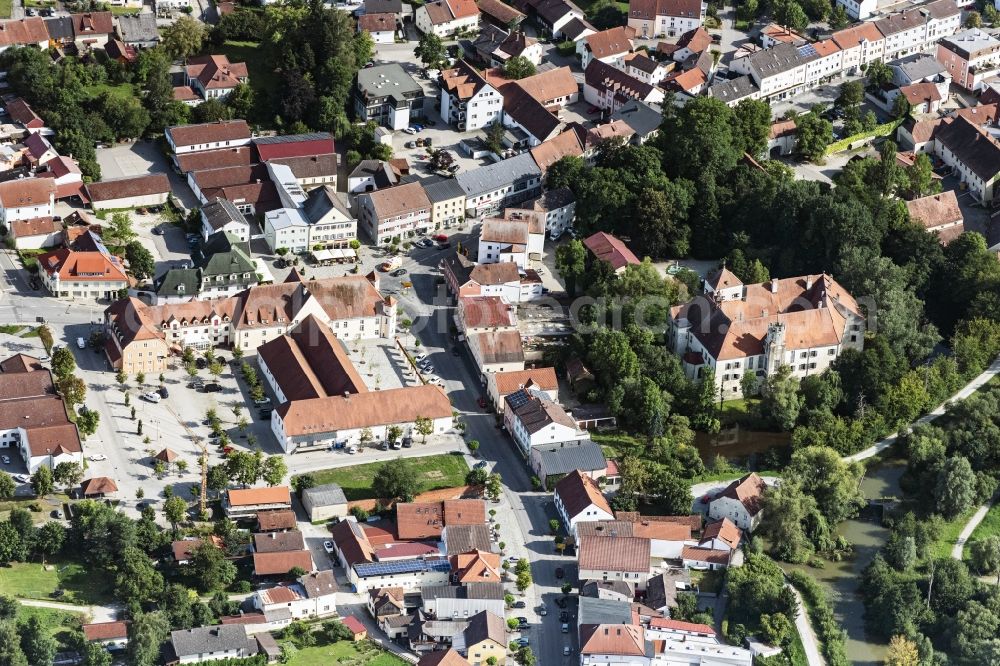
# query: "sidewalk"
[964,393]
[809,642]
[970,527]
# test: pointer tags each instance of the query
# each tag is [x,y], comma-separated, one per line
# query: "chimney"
[809,282]
[774,286]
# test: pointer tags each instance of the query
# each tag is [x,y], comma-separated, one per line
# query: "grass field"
[949,535]
[260,70]
[10,329]
[32,581]
[343,653]
[59,623]
[124,90]
[432,472]
[6,7]
[989,527]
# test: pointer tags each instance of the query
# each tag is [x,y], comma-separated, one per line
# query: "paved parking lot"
[142,157]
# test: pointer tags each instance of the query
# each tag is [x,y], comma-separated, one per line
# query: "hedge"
[881,130]
[829,633]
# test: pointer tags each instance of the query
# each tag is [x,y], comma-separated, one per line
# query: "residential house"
[184,549]
[92,30]
[779,71]
[66,174]
[207,136]
[138,30]
[214,643]
[662,589]
[609,46]
[22,114]
[782,138]
[246,502]
[552,88]
[276,520]
[517,45]
[324,502]
[223,266]
[514,239]
[921,97]
[554,210]
[129,192]
[60,31]
[386,602]
[778,34]
[733,91]
[112,636]
[445,18]
[640,66]
[33,417]
[605,247]
[906,32]
[577,29]
[372,175]
[972,152]
[484,639]
[213,76]
[132,343]
[26,199]
[803,322]
[467,99]
[938,213]
[551,462]
[578,499]
[447,202]
[721,535]
[555,15]
[388,95]
[462,601]
[39,150]
[687,642]
[35,234]
[486,42]
[918,68]
[397,211]
[859,10]
[500,14]
[313,595]
[86,269]
[323,219]
[970,58]
[527,120]
[534,420]
[827,63]
[426,634]
[741,502]
[615,590]
[476,566]
[665,18]
[480,313]
[610,88]
[643,119]
[564,144]
[501,384]
[861,45]
[166,8]
[205,160]
[614,558]
[491,188]
[381,27]
[220,215]
[497,351]
[30,31]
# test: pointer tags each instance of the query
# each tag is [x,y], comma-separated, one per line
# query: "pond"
[736,443]
[841,578]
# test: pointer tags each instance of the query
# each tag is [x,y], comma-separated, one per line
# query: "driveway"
[142,157]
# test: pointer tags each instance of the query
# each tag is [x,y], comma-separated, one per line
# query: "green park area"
[431,473]
[32,580]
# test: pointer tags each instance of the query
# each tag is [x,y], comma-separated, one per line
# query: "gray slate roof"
[467,591]
[918,66]
[291,138]
[219,212]
[494,176]
[138,28]
[640,116]
[321,201]
[564,457]
[202,640]
[779,58]
[737,89]
[329,494]
[604,611]
[442,189]
[463,538]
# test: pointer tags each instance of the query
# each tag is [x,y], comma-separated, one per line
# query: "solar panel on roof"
[518,399]
[400,567]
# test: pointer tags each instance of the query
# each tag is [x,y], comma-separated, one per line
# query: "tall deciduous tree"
[146,633]
[394,480]
[37,643]
[430,50]
[752,119]
[41,481]
[183,38]
[955,489]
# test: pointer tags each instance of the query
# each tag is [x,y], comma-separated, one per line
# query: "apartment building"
[468,101]
[395,212]
[970,57]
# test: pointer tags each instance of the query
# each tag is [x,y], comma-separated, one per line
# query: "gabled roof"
[26,192]
[629,554]
[215,71]
[607,248]
[128,187]
[650,9]
[724,530]
[275,519]
[564,144]
[105,631]
[935,210]
[222,130]
[22,32]
[205,640]
[272,564]
[501,12]
[443,658]
[613,639]
[578,492]
[293,145]
[92,23]
[278,542]
[543,379]
[498,346]
[971,145]
[611,42]
[382,22]
[214,159]
[485,626]
[723,278]
[748,490]
[98,485]
[565,457]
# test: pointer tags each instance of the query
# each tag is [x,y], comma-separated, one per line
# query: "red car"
[440,238]
[226,450]
[482,403]
[592,110]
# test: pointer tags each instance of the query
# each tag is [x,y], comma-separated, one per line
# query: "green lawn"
[432,472]
[949,535]
[708,581]
[344,653]
[10,329]
[59,623]
[6,7]
[124,90]
[259,68]
[32,581]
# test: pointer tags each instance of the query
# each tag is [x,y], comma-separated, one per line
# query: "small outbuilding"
[99,486]
[324,502]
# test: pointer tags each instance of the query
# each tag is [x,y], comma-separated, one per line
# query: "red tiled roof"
[677,625]
[578,491]
[707,555]
[607,248]
[251,496]
[354,624]
[724,530]
[103,631]
[271,564]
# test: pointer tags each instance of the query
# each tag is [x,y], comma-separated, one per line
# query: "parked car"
[5,460]
[565,628]
[519,604]
[22,478]
[266,413]
[328,546]
[263,401]
[352,449]
[407,442]
[212,388]
[481,464]
[97,457]
[81,343]
[564,616]
[151,396]
[410,130]
[410,144]
[522,620]
[523,642]
[560,573]
[164,393]
[567,651]
[200,363]
[399,272]
[542,610]
[440,238]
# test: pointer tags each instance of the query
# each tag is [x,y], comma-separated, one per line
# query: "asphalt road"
[427,305]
